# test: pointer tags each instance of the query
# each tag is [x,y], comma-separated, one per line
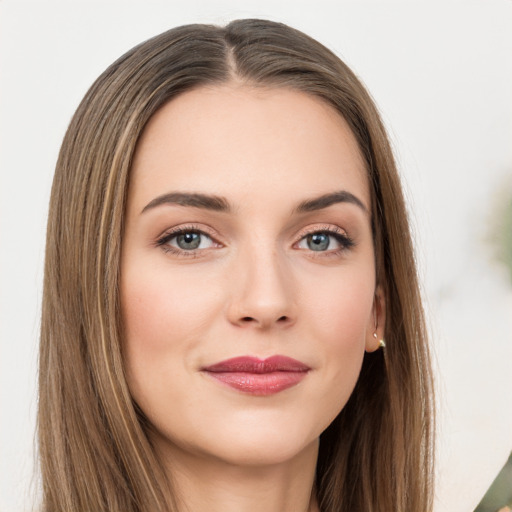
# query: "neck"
[206,484]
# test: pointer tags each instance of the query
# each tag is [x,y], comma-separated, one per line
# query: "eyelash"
[339,235]
[173,233]
[346,243]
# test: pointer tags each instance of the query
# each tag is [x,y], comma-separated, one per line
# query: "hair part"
[94,450]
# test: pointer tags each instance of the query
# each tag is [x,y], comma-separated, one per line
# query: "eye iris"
[188,240]
[318,241]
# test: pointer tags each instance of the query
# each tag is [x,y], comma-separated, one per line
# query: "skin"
[255,286]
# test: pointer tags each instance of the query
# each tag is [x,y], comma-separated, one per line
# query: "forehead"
[241,141]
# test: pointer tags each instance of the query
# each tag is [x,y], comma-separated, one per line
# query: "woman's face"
[247,237]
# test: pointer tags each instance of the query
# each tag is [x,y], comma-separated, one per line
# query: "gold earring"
[382,343]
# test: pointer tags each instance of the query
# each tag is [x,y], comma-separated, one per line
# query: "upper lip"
[250,364]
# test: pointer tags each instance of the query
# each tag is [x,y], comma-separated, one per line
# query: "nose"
[261,291]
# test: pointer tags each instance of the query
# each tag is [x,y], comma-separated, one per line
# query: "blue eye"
[318,241]
[322,241]
[185,241]
[188,240]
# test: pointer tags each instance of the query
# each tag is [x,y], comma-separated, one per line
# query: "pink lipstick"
[259,376]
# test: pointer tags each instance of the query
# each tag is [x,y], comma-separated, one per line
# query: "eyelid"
[341,236]
[163,239]
[326,228]
[176,230]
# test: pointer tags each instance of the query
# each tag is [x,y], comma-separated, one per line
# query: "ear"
[375,331]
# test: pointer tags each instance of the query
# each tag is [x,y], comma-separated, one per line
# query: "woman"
[227,250]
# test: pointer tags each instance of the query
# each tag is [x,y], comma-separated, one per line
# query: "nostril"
[248,319]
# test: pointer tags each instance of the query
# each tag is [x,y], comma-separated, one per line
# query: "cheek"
[164,318]
[340,316]
[341,309]
[157,306]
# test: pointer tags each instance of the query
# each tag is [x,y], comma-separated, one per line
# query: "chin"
[268,451]
[272,450]
[244,445]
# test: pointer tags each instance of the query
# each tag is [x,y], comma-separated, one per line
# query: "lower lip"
[259,384]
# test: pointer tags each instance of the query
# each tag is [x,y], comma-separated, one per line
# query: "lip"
[260,377]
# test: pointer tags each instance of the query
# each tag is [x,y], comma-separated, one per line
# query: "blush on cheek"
[149,310]
[345,321]
[165,314]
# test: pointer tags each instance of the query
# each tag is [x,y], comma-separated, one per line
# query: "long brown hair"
[94,452]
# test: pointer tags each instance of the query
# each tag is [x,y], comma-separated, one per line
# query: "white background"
[441,72]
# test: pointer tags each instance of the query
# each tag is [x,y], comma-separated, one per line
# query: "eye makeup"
[191,241]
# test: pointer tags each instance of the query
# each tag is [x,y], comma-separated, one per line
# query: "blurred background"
[441,73]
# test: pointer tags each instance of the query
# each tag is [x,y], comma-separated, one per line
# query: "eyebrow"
[207,202]
[326,200]
[221,204]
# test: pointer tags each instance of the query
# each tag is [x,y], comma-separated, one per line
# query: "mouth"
[260,377]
